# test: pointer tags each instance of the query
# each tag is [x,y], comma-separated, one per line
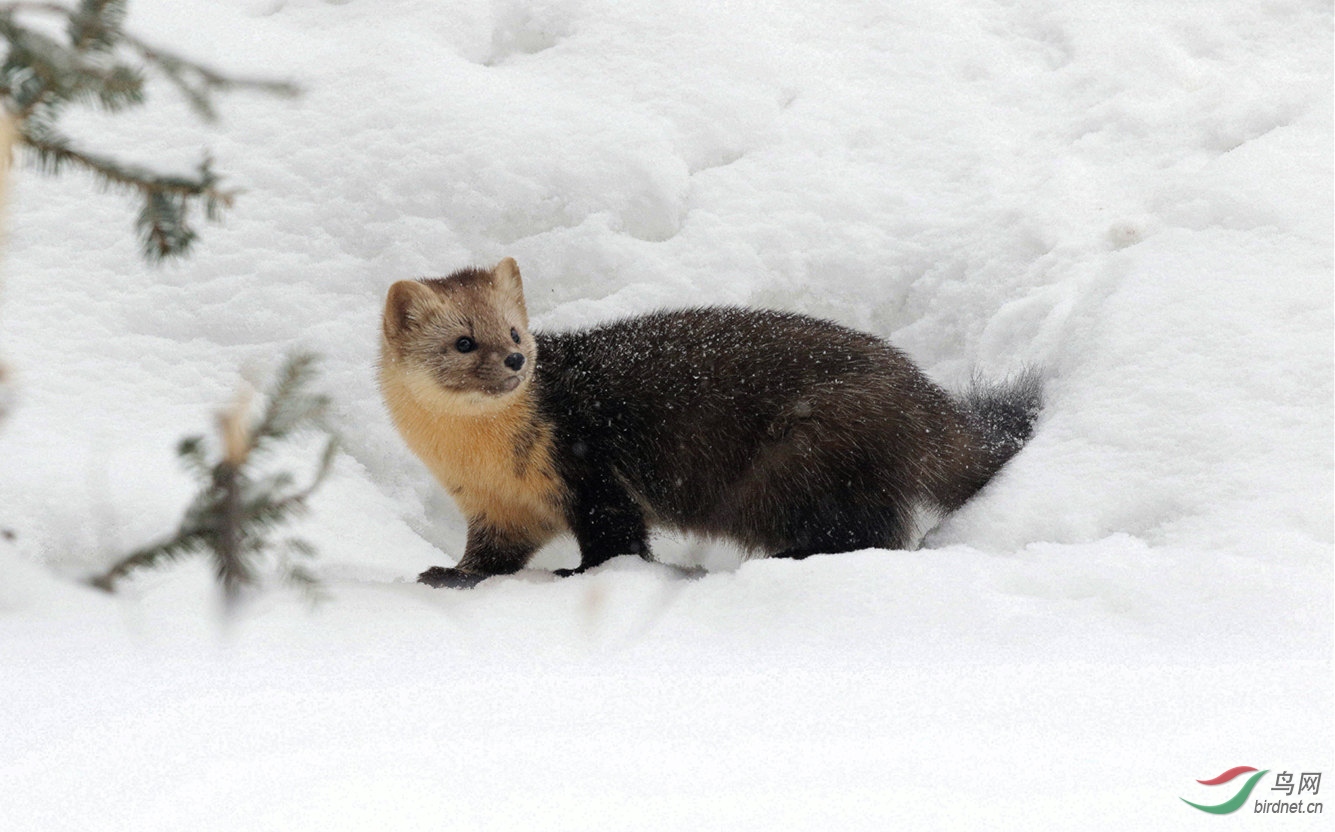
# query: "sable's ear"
[404,306]
[505,277]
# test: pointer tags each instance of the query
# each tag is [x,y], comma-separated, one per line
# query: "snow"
[1135,197]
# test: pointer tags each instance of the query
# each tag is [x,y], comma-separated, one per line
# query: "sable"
[786,434]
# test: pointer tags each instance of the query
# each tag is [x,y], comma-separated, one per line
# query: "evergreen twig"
[101,64]
[236,510]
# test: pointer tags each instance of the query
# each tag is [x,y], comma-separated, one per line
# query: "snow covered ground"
[1134,195]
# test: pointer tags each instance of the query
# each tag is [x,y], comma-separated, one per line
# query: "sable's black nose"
[514,360]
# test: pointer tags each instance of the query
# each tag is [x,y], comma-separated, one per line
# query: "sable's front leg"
[488,552]
[607,522]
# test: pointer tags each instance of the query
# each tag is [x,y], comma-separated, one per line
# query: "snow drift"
[1134,196]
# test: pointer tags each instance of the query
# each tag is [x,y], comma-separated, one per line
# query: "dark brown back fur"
[788,434]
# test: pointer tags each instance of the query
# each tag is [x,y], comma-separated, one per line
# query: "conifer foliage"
[239,507]
[96,62]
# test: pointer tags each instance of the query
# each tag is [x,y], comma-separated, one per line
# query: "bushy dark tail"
[1004,412]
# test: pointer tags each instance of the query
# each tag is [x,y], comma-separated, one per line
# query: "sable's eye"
[465,344]
[514,335]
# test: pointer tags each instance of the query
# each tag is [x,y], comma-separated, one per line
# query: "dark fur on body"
[787,434]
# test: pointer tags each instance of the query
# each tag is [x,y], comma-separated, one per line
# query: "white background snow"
[1134,195]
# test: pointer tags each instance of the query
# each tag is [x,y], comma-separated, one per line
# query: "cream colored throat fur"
[496,464]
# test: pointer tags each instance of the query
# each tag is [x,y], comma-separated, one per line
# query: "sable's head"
[460,342]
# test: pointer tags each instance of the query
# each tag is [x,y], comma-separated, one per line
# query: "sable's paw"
[690,573]
[440,576]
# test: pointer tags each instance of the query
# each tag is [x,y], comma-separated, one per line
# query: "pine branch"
[54,151]
[198,82]
[163,220]
[234,514]
[96,24]
[229,546]
[186,542]
[289,406]
[41,75]
[63,71]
